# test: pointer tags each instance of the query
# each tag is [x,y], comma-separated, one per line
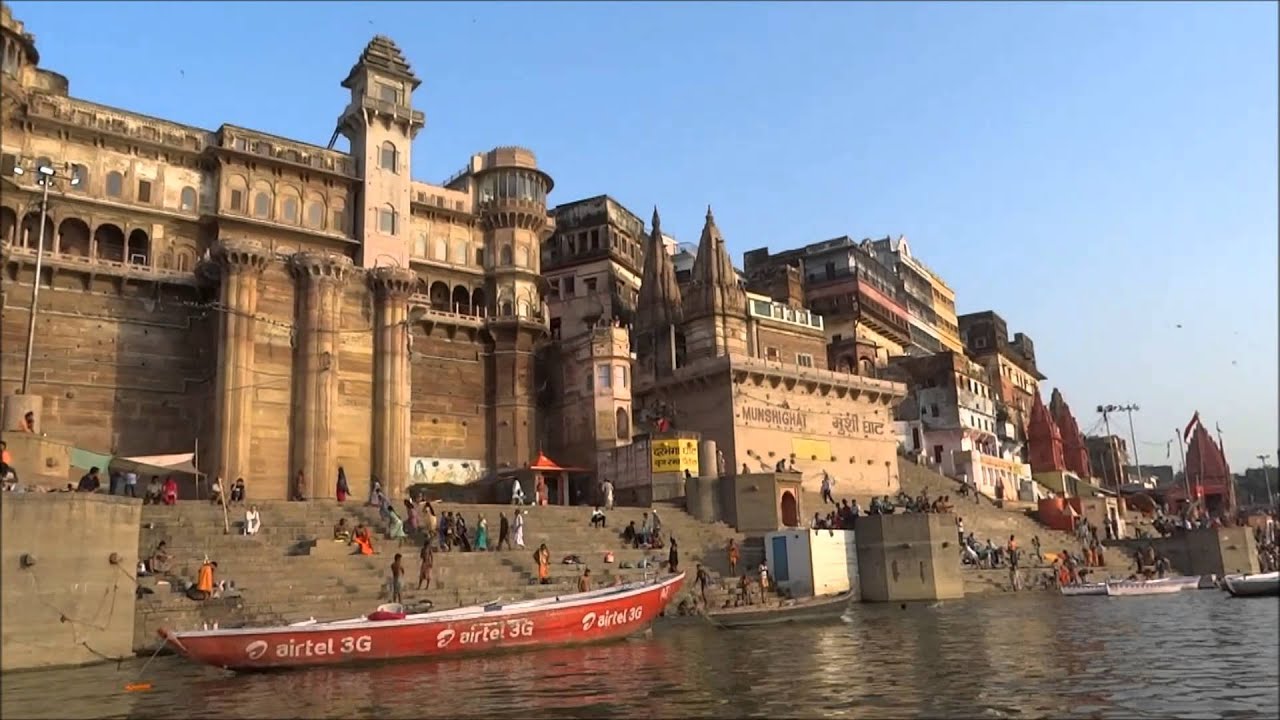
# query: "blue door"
[781,573]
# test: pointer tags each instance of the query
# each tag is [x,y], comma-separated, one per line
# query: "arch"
[261,204]
[186,260]
[31,231]
[387,219]
[115,184]
[290,207]
[108,243]
[441,249]
[313,214]
[387,156]
[522,308]
[237,193]
[139,248]
[187,198]
[73,237]
[505,256]
[845,364]
[461,300]
[460,252]
[522,256]
[790,509]
[339,214]
[439,295]
[8,224]
[866,367]
[478,302]
[623,421]
[44,162]
[505,308]
[80,177]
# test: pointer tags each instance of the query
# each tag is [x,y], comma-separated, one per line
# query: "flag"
[1195,420]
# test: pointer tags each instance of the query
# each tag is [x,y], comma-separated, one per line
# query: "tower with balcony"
[380,123]
[511,195]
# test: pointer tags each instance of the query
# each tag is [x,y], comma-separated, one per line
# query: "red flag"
[1195,420]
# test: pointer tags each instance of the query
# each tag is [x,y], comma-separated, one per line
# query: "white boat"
[1259,585]
[1186,582]
[1084,589]
[1130,588]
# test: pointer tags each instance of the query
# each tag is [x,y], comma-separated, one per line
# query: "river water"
[1194,654]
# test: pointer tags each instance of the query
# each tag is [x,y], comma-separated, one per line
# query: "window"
[420,245]
[933,408]
[237,200]
[80,176]
[460,252]
[242,144]
[506,255]
[591,284]
[115,184]
[289,209]
[187,199]
[387,158]
[604,377]
[569,289]
[979,342]
[388,93]
[315,214]
[262,205]
[590,383]
[804,360]
[387,220]
[144,191]
[340,218]
[442,249]
[624,424]
[480,257]
[771,353]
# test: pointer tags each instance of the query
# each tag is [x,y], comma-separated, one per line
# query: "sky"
[1102,175]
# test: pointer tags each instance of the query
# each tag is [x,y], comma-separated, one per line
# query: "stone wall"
[123,367]
[1218,551]
[908,558]
[68,603]
[447,368]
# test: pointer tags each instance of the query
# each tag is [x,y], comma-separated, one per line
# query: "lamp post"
[45,177]
[1266,479]
[1133,438]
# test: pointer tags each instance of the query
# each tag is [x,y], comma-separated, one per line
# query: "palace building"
[285,306]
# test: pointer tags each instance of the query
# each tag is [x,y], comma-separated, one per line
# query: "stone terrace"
[292,570]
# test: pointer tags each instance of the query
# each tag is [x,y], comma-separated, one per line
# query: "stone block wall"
[67,603]
[908,558]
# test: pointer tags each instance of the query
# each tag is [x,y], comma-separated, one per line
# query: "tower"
[715,303]
[1044,439]
[380,123]
[511,197]
[659,311]
[1074,452]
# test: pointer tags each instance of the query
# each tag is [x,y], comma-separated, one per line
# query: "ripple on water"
[1197,654]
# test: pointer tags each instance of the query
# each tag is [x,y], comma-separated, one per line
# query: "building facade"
[290,307]
[930,302]
[1011,371]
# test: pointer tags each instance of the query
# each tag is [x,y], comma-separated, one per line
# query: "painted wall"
[817,562]
[72,605]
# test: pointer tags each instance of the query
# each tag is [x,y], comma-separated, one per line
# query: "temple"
[1208,475]
[1045,440]
[1074,452]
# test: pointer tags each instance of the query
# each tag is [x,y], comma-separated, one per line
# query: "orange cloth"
[7,458]
[204,580]
[544,565]
[365,543]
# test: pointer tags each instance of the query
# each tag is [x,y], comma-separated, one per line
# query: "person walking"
[428,561]
[397,579]
[504,532]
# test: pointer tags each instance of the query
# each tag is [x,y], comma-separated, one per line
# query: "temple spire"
[659,304]
[714,287]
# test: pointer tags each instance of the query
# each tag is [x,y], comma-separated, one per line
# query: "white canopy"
[160,464]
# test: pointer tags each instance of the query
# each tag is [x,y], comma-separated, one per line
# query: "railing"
[90,264]
[777,311]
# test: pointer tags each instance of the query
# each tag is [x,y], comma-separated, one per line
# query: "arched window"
[80,177]
[115,184]
[506,255]
[387,157]
[442,250]
[460,252]
[506,308]
[387,220]
[340,215]
[44,162]
[261,205]
[289,209]
[624,424]
[522,256]
[315,214]
[187,199]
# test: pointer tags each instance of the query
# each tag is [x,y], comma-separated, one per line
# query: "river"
[1195,654]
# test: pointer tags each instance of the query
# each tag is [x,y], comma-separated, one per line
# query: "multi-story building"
[1108,456]
[930,302]
[592,265]
[293,307]
[856,295]
[1011,370]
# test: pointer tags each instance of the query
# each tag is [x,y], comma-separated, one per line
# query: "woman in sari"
[395,526]
[543,556]
[375,492]
[363,539]
[344,490]
[482,534]
[170,491]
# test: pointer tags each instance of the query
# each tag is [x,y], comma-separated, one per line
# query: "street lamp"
[1133,438]
[1266,479]
[45,177]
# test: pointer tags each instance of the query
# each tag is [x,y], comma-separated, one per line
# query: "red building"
[1074,451]
[1207,473]
[1044,440]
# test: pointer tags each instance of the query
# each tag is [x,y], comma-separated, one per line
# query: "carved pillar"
[240,264]
[391,382]
[320,278]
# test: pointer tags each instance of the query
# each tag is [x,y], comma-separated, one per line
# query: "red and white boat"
[580,618]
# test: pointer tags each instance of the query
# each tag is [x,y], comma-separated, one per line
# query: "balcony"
[95,266]
[768,310]
[882,314]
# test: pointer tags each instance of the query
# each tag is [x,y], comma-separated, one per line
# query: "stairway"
[292,570]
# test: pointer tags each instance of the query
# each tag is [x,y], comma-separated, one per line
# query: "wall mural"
[437,470]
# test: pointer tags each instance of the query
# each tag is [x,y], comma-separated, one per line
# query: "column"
[391,382]
[320,280]
[240,264]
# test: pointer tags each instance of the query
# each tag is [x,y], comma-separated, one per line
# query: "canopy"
[546,464]
[160,464]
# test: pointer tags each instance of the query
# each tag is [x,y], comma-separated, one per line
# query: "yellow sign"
[811,450]
[675,456]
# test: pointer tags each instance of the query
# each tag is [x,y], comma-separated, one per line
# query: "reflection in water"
[1190,655]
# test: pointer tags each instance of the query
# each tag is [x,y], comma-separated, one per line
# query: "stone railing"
[97,265]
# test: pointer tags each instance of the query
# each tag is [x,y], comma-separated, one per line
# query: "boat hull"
[1260,585]
[819,609]
[1084,589]
[1133,589]
[581,618]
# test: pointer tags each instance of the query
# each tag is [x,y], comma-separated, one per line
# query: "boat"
[1253,585]
[1186,582]
[1131,588]
[1084,589]
[388,634]
[790,611]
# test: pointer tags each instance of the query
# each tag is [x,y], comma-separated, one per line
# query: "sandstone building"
[290,306]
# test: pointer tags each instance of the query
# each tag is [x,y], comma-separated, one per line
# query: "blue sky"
[1097,173]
